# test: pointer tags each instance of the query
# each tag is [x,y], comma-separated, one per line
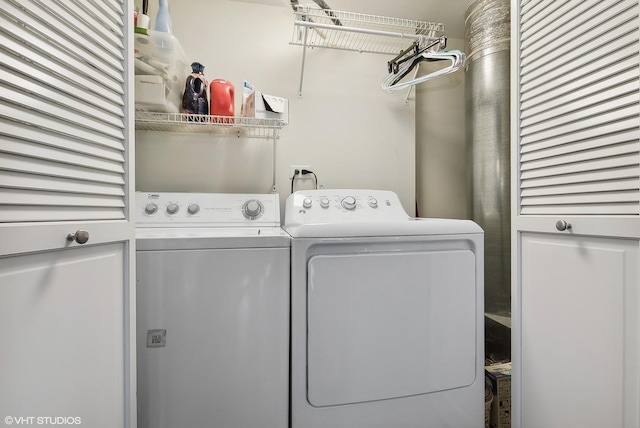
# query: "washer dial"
[252,209]
[172,209]
[193,209]
[349,203]
[151,209]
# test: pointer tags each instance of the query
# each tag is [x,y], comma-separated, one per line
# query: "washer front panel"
[223,358]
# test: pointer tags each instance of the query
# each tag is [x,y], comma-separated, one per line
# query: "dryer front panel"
[385,325]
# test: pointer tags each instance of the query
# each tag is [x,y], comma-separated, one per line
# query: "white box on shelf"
[150,89]
[152,94]
[263,106]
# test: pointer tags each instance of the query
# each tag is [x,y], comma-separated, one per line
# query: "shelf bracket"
[273,164]
[304,54]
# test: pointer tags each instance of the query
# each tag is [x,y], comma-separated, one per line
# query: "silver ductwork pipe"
[488,30]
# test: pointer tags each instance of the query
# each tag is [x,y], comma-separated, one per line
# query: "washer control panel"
[155,209]
[338,206]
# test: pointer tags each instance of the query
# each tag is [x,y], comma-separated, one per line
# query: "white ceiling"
[448,12]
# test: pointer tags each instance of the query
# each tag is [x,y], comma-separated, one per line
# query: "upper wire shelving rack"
[358,32]
[193,123]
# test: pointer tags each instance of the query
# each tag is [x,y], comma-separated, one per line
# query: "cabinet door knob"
[562,225]
[80,236]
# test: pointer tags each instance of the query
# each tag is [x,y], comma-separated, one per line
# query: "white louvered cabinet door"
[64,121]
[576,213]
[66,235]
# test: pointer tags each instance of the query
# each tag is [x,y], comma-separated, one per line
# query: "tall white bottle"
[163,18]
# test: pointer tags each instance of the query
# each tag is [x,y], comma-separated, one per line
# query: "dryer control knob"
[193,209]
[151,209]
[172,209]
[324,202]
[349,203]
[252,209]
[307,203]
[373,203]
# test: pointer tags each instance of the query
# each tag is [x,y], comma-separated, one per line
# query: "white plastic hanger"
[393,81]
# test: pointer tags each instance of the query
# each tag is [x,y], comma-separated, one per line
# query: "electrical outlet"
[292,170]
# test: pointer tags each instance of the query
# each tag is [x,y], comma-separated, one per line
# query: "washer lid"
[360,213]
[162,238]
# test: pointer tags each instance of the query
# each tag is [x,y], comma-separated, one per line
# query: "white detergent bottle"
[163,18]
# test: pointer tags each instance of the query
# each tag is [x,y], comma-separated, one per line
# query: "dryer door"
[387,325]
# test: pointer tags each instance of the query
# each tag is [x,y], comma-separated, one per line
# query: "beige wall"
[353,134]
[441,164]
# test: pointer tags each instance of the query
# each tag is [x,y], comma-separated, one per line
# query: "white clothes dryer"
[212,311]
[386,316]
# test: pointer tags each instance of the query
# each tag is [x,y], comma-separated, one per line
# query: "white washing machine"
[386,314]
[212,311]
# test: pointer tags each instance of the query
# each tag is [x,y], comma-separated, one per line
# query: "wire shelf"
[191,123]
[359,32]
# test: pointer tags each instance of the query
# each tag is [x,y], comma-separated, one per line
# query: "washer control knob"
[349,203]
[193,209]
[373,202]
[151,209]
[172,209]
[252,209]
[324,202]
[307,203]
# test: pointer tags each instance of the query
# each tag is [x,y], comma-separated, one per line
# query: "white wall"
[353,134]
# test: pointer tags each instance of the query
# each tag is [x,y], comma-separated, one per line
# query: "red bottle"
[221,100]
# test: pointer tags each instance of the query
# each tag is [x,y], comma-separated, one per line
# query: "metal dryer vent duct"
[487,37]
